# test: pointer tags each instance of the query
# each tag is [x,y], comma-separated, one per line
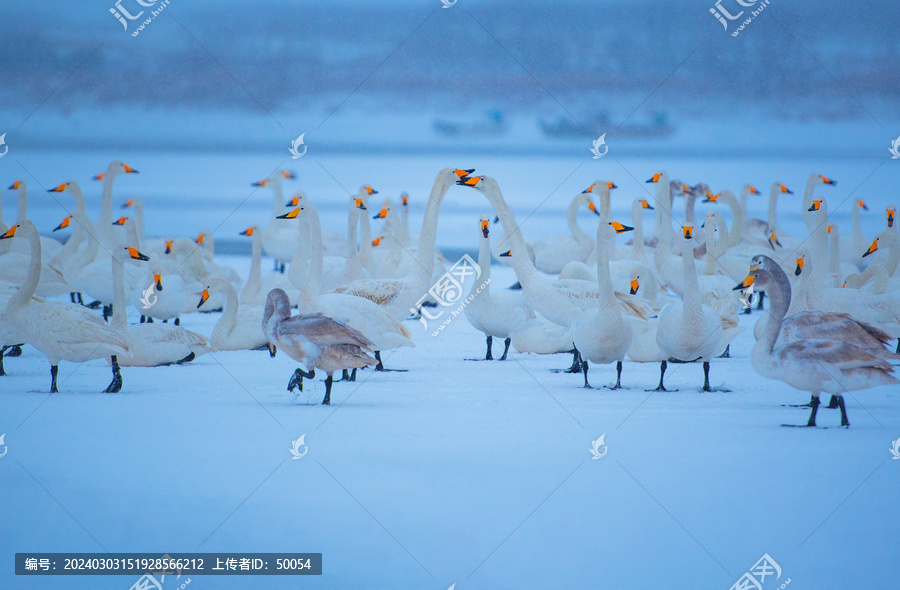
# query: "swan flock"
[605,291]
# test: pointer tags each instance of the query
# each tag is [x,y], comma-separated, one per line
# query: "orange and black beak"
[890,218]
[463,173]
[288,175]
[687,231]
[200,239]
[58,189]
[360,205]
[272,349]
[862,205]
[646,205]
[381,214]
[64,224]
[635,285]
[612,185]
[753,190]
[120,221]
[203,297]
[471,181]
[169,246]
[157,278]
[786,190]
[507,253]
[654,178]
[589,189]
[135,255]
[485,227]
[815,206]
[128,203]
[745,284]
[404,200]
[291,214]
[376,241]
[773,239]
[15,185]
[371,190]
[129,169]
[293,202]
[621,229]
[711,198]
[872,249]
[97,176]
[593,207]
[247,232]
[827,180]
[262,182]
[10,233]
[799,268]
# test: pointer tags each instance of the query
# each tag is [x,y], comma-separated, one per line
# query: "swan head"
[687,231]
[620,228]
[773,240]
[132,202]
[826,180]
[600,187]
[799,264]
[204,237]
[657,177]
[204,295]
[816,205]
[753,190]
[485,226]
[292,214]
[64,224]
[132,253]
[299,197]
[645,204]
[18,185]
[250,231]
[11,232]
[358,203]
[862,204]
[278,306]
[890,214]
[872,248]
[120,221]
[780,187]
[367,190]
[59,188]
[383,212]
[634,285]
[404,197]
[169,245]
[116,168]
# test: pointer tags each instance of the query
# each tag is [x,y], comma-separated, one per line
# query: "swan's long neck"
[22,213]
[712,248]
[119,317]
[801,288]
[23,296]
[834,251]
[808,216]
[737,219]
[300,262]
[607,297]
[779,291]
[228,320]
[857,230]
[691,298]
[525,270]
[637,248]
[106,216]
[70,247]
[484,263]
[352,235]
[819,249]
[745,192]
[139,219]
[89,252]
[892,242]
[572,218]
[277,196]
[365,242]
[663,229]
[254,279]
[773,207]
[314,277]
[425,253]
[75,189]
[404,225]
[689,200]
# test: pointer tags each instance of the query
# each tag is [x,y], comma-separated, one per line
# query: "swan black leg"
[762,296]
[488,356]
[143,318]
[506,344]
[380,365]
[2,352]
[844,421]
[815,408]
[177,321]
[54,371]
[618,376]
[584,369]
[107,311]
[15,350]
[726,354]
[806,405]
[353,375]
[115,385]
[327,400]
[833,403]
[576,364]
[297,378]
[706,376]
[72,297]
[662,375]
[345,375]
[165,321]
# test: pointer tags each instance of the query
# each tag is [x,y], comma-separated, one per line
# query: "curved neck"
[23,296]
[75,189]
[522,264]
[89,253]
[22,214]
[834,251]
[892,243]
[572,218]
[228,320]
[607,297]
[689,199]
[637,213]
[106,216]
[779,291]
[254,279]
[808,215]
[119,319]
[425,253]
[484,263]
[139,219]
[277,196]
[745,192]
[773,206]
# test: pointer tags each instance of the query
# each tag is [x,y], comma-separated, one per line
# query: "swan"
[351,269]
[151,345]
[240,327]
[541,336]
[315,340]
[816,363]
[716,290]
[601,334]
[749,222]
[49,246]
[207,243]
[874,273]
[689,330]
[258,286]
[860,242]
[109,237]
[889,214]
[551,253]
[837,268]
[359,313]
[157,300]
[887,240]
[154,246]
[60,331]
[279,237]
[812,182]
[497,313]
[399,296]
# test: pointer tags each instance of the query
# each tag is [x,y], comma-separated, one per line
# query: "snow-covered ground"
[477,474]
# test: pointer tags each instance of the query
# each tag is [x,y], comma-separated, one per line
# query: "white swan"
[240,327]
[817,363]
[497,313]
[399,296]
[812,182]
[49,246]
[60,331]
[689,330]
[551,253]
[601,334]
[279,237]
[157,300]
[109,236]
[258,286]
[887,240]
[860,241]
[151,345]
[315,340]
[351,269]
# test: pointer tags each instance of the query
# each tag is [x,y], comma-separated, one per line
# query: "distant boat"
[659,126]
[491,125]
